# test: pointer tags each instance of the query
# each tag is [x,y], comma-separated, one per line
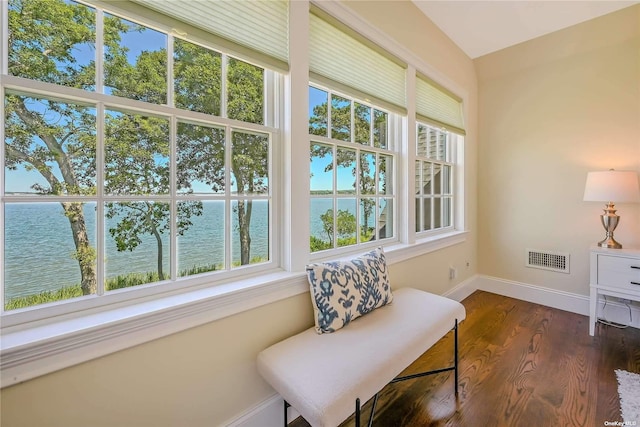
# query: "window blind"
[437,106]
[341,56]
[262,26]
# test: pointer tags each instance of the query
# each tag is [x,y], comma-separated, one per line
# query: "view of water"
[39,245]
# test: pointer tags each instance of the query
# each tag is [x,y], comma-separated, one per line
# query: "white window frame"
[394,141]
[453,144]
[273,83]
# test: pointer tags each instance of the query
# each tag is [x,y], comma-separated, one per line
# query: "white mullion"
[170,79]
[173,204]
[335,195]
[372,119]
[329,119]
[228,235]
[99,46]
[357,193]
[100,214]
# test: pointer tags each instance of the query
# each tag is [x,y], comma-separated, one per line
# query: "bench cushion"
[342,291]
[322,375]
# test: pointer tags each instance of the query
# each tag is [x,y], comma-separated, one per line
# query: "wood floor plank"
[521,364]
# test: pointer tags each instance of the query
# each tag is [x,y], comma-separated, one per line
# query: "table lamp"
[611,186]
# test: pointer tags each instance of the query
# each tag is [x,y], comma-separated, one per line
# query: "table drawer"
[620,272]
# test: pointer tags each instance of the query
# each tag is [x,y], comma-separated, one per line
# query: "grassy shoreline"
[118,282]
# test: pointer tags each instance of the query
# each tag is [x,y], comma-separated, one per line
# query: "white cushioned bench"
[322,375]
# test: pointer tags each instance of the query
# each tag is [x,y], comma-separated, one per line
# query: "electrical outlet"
[453,272]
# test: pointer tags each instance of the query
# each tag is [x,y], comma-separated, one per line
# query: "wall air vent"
[546,260]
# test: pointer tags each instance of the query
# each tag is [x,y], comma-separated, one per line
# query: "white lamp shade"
[612,186]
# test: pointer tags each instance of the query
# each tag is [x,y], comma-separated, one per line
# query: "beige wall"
[550,110]
[206,376]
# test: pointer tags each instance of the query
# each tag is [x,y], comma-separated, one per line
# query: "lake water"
[39,246]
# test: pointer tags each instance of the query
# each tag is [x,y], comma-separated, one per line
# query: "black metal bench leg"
[286,406]
[455,360]
[357,416]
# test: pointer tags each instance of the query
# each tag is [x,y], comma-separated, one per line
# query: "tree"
[250,152]
[345,224]
[49,136]
[58,139]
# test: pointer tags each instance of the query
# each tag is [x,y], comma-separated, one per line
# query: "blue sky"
[21,180]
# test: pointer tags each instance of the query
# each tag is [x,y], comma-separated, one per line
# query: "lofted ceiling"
[481,27]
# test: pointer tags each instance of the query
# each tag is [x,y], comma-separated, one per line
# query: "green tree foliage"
[341,128]
[54,138]
[58,139]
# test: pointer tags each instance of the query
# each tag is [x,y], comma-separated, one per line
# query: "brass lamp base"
[609,242]
[609,222]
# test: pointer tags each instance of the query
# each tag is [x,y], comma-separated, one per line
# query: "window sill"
[29,353]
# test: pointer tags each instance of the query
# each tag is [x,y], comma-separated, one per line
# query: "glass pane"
[321,169]
[385,220]
[136,154]
[437,178]
[362,117]
[137,243]
[340,118]
[437,212]
[447,212]
[346,222]
[418,214]
[367,220]
[446,179]
[385,175]
[367,173]
[249,163]
[346,173]
[380,129]
[53,41]
[418,180]
[423,138]
[245,92]
[426,214]
[50,147]
[135,61]
[201,237]
[432,143]
[197,78]
[250,232]
[427,169]
[42,261]
[442,145]
[200,159]
[318,113]
[321,224]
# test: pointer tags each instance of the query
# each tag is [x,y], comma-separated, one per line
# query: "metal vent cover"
[548,260]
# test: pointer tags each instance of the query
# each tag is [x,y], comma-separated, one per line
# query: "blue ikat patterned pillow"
[342,291]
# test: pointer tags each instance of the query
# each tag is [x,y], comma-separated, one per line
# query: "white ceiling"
[481,27]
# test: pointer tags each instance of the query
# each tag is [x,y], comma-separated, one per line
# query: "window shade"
[436,105]
[341,56]
[262,26]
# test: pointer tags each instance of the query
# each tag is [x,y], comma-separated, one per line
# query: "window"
[434,181]
[352,155]
[148,163]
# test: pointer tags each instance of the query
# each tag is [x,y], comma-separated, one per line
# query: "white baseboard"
[269,412]
[614,310]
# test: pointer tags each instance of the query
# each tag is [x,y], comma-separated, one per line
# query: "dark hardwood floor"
[521,364]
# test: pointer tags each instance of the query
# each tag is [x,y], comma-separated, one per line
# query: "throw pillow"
[342,291]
